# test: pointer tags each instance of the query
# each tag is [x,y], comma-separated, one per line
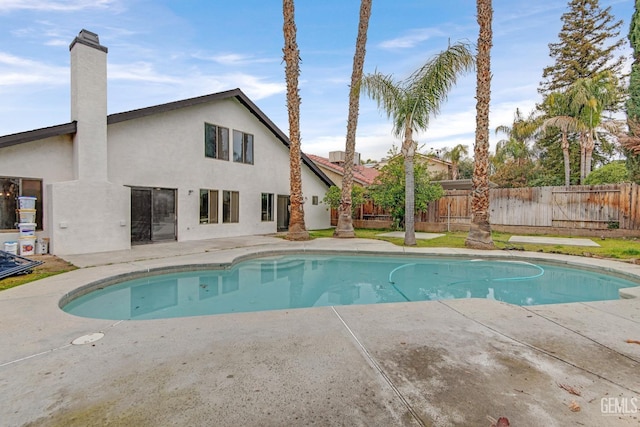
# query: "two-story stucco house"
[205,167]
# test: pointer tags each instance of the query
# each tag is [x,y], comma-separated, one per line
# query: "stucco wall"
[50,160]
[167,151]
[88,216]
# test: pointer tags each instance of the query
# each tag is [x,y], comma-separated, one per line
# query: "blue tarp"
[11,264]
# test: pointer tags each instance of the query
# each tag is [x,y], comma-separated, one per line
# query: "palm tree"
[454,155]
[566,125]
[480,229]
[344,227]
[589,97]
[410,104]
[297,229]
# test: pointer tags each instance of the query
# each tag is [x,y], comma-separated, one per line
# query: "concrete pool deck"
[440,363]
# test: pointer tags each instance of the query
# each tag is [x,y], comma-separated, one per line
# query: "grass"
[51,266]
[618,249]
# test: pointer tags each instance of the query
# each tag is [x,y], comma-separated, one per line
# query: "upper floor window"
[242,147]
[216,142]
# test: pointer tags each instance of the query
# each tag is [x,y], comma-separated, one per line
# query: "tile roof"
[361,174]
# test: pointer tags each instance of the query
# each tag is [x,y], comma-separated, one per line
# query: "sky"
[167,50]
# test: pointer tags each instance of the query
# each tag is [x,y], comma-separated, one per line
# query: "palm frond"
[388,94]
[431,83]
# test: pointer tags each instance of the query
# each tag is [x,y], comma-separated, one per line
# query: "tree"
[611,173]
[389,189]
[588,99]
[582,50]
[557,106]
[565,124]
[578,110]
[334,195]
[297,229]
[344,227]
[480,229]
[454,155]
[631,142]
[411,103]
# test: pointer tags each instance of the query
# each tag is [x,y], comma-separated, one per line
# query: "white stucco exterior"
[89,168]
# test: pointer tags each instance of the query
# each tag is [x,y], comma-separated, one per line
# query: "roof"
[36,134]
[459,184]
[426,157]
[361,174]
[71,128]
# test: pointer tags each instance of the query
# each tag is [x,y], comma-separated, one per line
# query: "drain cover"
[88,339]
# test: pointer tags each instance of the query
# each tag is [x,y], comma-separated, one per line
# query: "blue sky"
[166,50]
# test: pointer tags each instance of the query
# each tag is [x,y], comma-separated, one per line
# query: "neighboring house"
[333,167]
[205,167]
[435,166]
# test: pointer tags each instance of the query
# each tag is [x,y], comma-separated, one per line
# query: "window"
[216,142]
[208,206]
[10,190]
[242,147]
[230,206]
[314,200]
[267,207]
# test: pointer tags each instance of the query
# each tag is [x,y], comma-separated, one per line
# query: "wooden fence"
[575,210]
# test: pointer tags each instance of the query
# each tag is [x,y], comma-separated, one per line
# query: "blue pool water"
[308,281]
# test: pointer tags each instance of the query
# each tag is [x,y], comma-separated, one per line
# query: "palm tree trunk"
[345,222]
[297,229]
[480,230]
[588,155]
[565,155]
[408,152]
[583,157]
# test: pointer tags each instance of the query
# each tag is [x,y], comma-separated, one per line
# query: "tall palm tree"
[297,229]
[410,104]
[454,155]
[345,223]
[480,229]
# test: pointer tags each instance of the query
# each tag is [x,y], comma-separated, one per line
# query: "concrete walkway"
[544,240]
[439,363]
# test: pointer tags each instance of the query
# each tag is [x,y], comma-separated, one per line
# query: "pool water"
[287,282]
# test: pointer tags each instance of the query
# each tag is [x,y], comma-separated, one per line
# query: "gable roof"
[71,128]
[363,175]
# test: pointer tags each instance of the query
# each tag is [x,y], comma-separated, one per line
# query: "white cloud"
[412,38]
[15,70]
[139,71]
[234,59]
[54,6]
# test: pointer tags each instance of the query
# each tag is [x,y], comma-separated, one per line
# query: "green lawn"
[620,249]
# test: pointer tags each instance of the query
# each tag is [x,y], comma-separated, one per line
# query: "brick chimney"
[89,106]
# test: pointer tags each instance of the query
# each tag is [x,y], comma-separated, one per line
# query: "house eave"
[37,134]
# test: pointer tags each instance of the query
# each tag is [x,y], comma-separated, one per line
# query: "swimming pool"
[294,281]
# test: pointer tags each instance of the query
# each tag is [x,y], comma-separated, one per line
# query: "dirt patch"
[51,264]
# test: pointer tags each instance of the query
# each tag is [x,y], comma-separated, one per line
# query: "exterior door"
[283,213]
[153,215]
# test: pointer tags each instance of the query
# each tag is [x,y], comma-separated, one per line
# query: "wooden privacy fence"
[583,209]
